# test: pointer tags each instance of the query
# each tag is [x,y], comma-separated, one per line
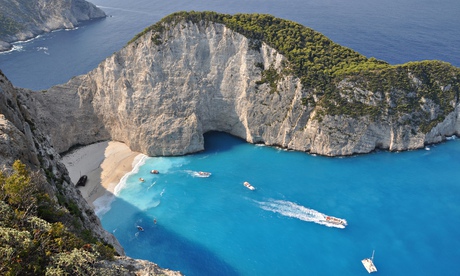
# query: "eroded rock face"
[22,139]
[160,98]
[16,139]
[19,141]
[24,19]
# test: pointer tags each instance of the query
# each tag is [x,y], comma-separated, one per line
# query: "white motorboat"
[204,174]
[249,186]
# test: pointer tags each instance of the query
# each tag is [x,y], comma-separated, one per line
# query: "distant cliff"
[24,19]
[261,78]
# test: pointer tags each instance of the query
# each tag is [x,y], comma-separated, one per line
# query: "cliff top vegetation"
[40,235]
[321,65]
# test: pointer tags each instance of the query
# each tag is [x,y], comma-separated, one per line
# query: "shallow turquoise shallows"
[405,206]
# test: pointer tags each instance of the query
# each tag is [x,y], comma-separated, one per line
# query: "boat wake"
[153,184]
[293,210]
[198,173]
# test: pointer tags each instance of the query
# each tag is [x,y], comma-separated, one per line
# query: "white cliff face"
[161,99]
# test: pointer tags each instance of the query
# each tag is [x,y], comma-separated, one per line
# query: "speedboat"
[140,228]
[141,179]
[154,172]
[249,186]
[335,220]
[204,174]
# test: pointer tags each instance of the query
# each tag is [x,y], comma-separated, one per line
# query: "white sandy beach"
[104,163]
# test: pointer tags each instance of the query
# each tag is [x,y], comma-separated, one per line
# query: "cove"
[402,205]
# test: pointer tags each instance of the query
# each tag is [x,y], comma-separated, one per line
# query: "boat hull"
[369,265]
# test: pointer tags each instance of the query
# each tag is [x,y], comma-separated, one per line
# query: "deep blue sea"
[396,31]
[405,206]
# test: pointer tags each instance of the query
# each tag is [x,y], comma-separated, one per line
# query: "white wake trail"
[293,210]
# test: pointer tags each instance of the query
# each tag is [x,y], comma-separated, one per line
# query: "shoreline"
[105,164]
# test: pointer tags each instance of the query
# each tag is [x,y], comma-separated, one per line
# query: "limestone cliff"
[182,78]
[22,139]
[23,19]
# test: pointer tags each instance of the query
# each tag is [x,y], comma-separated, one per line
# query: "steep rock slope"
[22,139]
[189,74]
[24,19]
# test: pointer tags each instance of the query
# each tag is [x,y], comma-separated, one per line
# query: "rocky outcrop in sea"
[23,19]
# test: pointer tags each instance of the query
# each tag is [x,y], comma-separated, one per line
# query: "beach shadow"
[86,160]
[160,245]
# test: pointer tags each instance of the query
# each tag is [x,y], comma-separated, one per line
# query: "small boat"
[204,174]
[369,264]
[82,181]
[154,172]
[335,220]
[249,186]
[140,228]
[141,179]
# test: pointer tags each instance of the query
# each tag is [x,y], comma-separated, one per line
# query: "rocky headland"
[197,72]
[23,19]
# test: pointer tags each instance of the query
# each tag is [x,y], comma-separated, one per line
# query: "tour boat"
[369,264]
[335,220]
[249,186]
[204,174]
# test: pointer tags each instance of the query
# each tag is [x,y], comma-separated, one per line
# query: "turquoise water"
[402,205]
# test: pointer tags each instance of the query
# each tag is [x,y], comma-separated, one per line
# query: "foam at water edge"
[139,160]
[103,204]
[18,48]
